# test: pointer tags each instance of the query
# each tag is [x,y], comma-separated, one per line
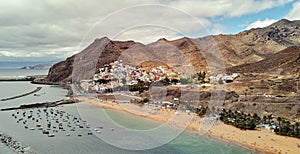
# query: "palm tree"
[297,125]
[297,129]
[279,119]
[265,118]
[255,117]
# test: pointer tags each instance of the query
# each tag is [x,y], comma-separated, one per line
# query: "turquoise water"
[185,143]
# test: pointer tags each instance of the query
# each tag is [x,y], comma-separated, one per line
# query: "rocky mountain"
[184,55]
[285,62]
[38,67]
[257,44]
[84,64]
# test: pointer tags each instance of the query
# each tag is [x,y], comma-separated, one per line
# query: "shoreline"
[262,141]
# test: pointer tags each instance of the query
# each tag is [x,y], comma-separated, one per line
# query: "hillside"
[184,55]
[285,62]
[257,44]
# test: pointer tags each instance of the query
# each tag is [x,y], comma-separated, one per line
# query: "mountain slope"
[256,44]
[286,62]
[185,54]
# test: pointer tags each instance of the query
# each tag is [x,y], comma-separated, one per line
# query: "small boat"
[98,131]
[51,135]
[38,125]
[90,133]
[68,134]
[26,127]
[79,135]
[31,128]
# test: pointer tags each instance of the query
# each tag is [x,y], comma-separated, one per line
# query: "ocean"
[185,143]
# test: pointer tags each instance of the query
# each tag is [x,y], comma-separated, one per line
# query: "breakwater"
[22,95]
[15,145]
[46,104]
[27,78]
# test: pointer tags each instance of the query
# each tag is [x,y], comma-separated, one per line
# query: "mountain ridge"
[246,47]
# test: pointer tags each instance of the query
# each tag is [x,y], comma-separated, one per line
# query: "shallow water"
[185,143]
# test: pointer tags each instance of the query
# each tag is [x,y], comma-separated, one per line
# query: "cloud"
[294,14]
[51,29]
[218,29]
[261,23]
[226,8]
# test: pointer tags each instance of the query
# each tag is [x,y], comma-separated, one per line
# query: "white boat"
[51,135]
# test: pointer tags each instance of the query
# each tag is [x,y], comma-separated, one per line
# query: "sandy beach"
[263,140]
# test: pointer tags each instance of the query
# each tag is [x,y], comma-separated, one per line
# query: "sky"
[34,30]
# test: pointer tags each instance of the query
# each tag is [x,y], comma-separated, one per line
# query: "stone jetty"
[22,95]
[14,145]
[46,104]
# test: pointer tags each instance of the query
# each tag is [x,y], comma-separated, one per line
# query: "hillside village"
[117,74]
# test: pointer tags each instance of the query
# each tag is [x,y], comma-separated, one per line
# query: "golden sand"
[260,140]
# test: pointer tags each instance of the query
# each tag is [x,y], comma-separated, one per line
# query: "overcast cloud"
[46,30]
